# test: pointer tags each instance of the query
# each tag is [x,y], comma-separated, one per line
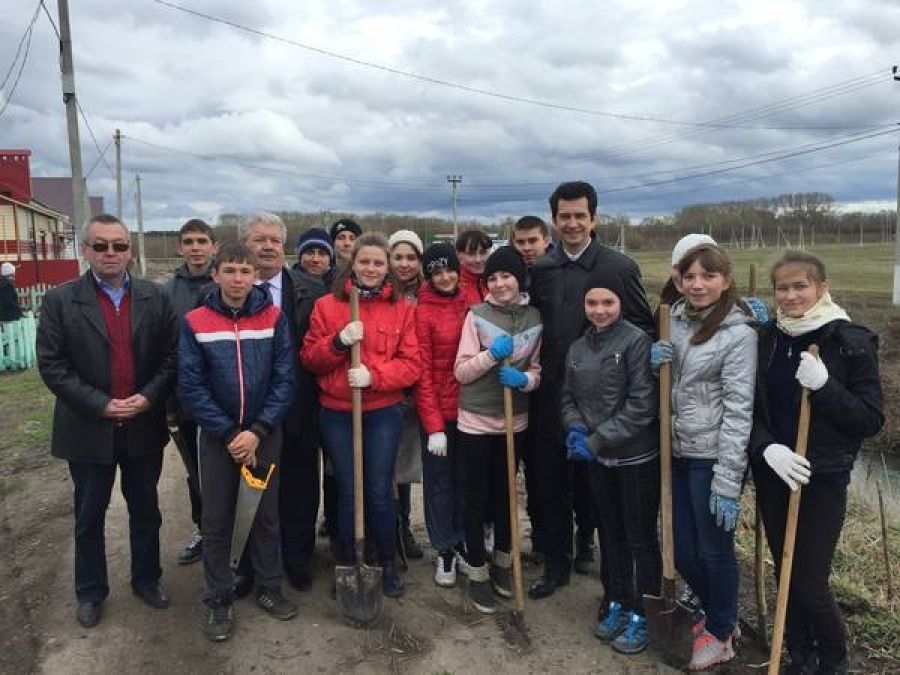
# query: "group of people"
[248,362]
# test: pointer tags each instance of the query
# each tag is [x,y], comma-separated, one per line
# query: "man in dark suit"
[295,292]
[106,348]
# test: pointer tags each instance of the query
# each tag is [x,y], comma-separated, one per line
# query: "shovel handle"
[359,526]
[665,450]
[790,535]
[513,500]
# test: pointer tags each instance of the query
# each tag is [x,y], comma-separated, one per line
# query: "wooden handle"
[665,450]
[359,525]
[513,497]
[790,535]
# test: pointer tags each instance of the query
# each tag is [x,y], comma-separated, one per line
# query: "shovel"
[669,623]
[513,623]
[790,535]
[253,482]
[358,587]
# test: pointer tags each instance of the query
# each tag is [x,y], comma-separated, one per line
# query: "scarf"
[824,311]
[368,293]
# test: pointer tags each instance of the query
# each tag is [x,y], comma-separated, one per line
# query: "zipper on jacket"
[240,369]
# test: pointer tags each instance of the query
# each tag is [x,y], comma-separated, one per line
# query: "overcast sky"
[289,127]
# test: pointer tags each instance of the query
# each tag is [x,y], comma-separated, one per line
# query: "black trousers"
[814,621]
[219,482]
[487,491]
[627,502]
[188,430]
[93,489]
[298,503]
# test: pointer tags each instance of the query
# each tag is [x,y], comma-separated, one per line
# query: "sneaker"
[410,545]
[482,597]
[501,581]
[634,640]
[698,627]
[445,569]
[193,549]
[219,623]
[271,600]
[615,621]
[462,564]
[709,651]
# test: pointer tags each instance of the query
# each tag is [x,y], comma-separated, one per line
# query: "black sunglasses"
[104,246]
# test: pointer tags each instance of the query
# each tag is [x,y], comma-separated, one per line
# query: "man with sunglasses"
[197,244]
[106,347]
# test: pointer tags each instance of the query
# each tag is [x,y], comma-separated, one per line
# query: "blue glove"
[727,510]
[575,431]
[501,347]
[660,353]
[580,452]
[759,309]
[512,377]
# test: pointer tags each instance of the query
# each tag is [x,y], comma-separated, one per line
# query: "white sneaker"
[462,565]
[445,569]
[709,651]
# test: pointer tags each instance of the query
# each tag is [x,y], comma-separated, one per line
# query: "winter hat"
[603,277]
[687,242]
[406,237]
[507,259]
[314,237]
[7,269]
[438,257]
[344,224]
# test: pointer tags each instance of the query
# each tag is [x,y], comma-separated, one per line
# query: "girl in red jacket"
[473,247]
[439,320]
[390,364]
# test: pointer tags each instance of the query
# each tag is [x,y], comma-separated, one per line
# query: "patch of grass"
[26,412]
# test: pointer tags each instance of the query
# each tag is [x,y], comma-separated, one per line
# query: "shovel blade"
[358,592]
[669,625]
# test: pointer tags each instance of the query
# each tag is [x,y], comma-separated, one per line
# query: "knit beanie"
[315,237]
[344,224]
[438,257]
[406,237]
[603,277]
[507,259]
[687,242]
[7,269]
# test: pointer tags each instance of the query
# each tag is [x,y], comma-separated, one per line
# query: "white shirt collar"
[575,256]
[275,285]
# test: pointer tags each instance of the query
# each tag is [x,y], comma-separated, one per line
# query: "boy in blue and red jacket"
[236,379]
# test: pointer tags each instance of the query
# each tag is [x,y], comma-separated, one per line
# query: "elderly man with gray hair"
[295,292]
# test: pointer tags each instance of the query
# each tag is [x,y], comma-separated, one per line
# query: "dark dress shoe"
[89,613]
[546,586]
[154,596]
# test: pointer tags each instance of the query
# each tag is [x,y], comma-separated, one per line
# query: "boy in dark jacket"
[236,379]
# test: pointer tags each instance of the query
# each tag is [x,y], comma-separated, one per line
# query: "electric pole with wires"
[454,180]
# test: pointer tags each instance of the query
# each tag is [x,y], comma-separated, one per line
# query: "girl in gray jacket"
[713,354]
[609,405]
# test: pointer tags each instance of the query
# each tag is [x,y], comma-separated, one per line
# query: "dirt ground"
[429,630]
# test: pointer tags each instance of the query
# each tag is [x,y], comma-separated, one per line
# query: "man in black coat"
[557,290]
[295,292]
[9,299]
[106,346]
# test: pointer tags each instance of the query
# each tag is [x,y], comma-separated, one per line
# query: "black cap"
[344,225]
[441,255]
[507,259]
[602,277]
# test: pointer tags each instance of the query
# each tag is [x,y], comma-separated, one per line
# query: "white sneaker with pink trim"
[709,651]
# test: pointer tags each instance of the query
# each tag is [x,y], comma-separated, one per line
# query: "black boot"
[391,582]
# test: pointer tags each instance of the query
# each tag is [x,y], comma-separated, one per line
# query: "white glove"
[790,467]
[812,373]
[360,377]
[352,333]
[437,444]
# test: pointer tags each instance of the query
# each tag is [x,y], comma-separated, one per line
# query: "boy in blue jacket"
[236,379]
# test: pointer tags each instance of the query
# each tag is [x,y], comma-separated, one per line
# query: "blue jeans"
[443,492]
[704,552]
[381,438]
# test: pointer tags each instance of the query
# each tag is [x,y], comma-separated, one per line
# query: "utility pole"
[142,261]
[67,68]
[117,137]
[454,180]
[622,235]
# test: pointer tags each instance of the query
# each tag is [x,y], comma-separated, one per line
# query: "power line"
[26,36]
[52,22]
[97,161]
[100,152]
[464,87]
